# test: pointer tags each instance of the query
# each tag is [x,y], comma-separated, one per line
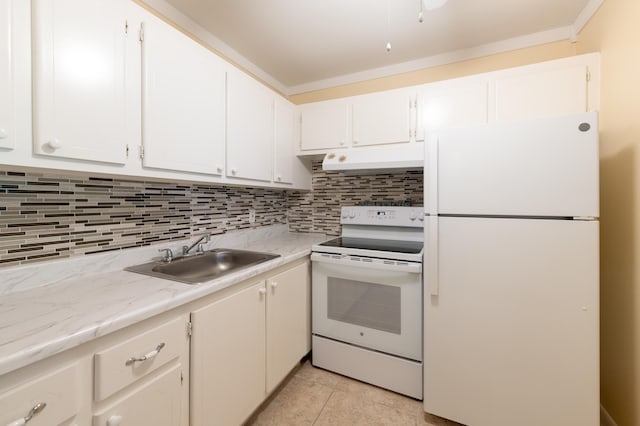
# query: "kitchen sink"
[203,267]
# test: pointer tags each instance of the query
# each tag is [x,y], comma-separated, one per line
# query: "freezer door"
[544,167]
[511,338]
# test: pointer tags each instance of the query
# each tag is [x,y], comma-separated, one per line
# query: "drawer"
[157,403]
[126,362]
[58,390]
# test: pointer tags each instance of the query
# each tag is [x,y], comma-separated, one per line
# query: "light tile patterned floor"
[312,396]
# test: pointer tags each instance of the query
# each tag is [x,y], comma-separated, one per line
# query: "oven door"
[372,303]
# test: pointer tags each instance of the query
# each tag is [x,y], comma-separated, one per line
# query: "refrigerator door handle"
[432,256]
[431,177]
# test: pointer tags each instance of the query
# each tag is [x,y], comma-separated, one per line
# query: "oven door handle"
[410,267]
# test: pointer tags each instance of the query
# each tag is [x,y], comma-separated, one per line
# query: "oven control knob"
[352,214]
[413,216]
[421,218]
[345,213]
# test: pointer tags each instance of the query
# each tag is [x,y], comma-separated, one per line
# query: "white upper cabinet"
[383,118]
[452,104]
[15,74]
[250,128]
[7,135]
[183,102]
[537,91]
[285,138]
[325,125]
[79,73]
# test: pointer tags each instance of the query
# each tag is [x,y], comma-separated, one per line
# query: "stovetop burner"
[395,203]
[395,246]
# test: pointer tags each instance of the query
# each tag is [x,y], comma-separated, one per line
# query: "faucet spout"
[202,240]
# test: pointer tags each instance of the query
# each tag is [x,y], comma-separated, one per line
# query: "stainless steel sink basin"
[203,267]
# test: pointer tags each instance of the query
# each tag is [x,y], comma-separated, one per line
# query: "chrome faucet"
[199,244]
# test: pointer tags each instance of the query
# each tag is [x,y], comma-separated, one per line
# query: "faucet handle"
[168,254]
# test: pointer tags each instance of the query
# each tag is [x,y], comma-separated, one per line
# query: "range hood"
[398,157]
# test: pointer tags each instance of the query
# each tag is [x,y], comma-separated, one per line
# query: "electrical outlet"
[252,215]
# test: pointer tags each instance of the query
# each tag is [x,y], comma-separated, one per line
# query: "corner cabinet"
[285,138]
[80,77]
[250,128]
[183,102]
[245,344]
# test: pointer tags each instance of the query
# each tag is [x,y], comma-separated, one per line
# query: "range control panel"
[382,216]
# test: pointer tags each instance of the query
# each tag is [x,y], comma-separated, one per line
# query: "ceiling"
[300,45]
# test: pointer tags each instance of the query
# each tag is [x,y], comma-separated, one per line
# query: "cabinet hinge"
[126,151]
[142,31]
[181,378]
[189,328]
[588,75]
[142,152]
[126,27]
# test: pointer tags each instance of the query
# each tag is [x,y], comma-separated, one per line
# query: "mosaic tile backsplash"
[319,210]
[47,216]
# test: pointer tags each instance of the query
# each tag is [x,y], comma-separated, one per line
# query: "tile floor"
[312,396]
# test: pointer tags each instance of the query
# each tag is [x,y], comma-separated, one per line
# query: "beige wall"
[615,32]
[527,56]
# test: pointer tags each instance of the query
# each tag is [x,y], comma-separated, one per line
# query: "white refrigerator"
[511,309]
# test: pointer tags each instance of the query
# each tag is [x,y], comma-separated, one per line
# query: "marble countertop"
[54,306]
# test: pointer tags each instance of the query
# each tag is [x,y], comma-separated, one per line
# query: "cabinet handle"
[219,169]
[145,357]
[274,284]
[3,134]
[34,410]
[234,171]
[262,291]
[54,144]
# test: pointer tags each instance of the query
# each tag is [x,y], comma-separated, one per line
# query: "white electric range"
[367,298]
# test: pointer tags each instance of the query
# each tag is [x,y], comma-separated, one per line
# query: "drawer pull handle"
[145,357]
[35,410]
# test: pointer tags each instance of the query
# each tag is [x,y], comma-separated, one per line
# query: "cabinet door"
[541,93]
[157,402]
[452,104]
[58,392]
[7,136]
[79,74]
[288,322]
[285,141]
[227,358]
[183,102]
[249,128]
[382,118]
[324,125]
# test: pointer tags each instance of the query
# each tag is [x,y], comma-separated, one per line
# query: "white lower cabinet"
[156,402]
[227,358]
[51,399]
[234,338]
[288,322]
[244,342]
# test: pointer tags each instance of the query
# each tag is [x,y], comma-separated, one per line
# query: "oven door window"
[374,306]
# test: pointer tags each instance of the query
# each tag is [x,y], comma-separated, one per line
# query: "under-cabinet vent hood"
[398,157]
